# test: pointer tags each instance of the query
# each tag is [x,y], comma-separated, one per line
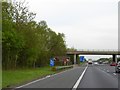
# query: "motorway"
[87,76]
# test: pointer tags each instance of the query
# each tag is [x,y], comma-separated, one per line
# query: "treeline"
[26,43]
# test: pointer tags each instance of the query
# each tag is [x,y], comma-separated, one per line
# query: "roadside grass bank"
[82,63]
[12,78]
[0,79]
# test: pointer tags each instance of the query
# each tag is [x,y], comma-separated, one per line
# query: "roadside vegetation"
[27,45]
[107,59]
[118,59]
[12,78]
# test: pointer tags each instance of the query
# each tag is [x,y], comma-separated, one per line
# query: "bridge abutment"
[114,58]
[75,56]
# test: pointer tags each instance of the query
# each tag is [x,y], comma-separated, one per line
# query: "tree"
[11,41]
[27,43]
[71,49]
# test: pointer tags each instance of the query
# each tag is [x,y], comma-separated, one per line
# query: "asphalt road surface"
[95,76]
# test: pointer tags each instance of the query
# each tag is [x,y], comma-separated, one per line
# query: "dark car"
[117,67]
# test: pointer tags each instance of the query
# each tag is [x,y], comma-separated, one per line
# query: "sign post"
[52,62]
[81,58]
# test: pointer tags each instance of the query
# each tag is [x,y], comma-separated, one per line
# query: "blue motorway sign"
[52,62]
[82,59]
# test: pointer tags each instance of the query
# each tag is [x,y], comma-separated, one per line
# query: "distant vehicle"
[117,67]
[106,62]
[100,62]
[95,63]
[89,61]
[113,64]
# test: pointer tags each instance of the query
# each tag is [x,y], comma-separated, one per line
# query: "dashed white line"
[114,73]
[79,80]
[107,70]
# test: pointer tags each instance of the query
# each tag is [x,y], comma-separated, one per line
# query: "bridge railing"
[112,50]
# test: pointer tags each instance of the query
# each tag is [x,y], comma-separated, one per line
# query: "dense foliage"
[26,43]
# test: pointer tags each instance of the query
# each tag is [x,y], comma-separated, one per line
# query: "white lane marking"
[31,82]
[79,80]
[107,73]
[48,76]
[107,70]
[114,73]
[44,78]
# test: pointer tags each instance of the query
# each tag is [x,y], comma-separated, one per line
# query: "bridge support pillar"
[74,58]
[115,58]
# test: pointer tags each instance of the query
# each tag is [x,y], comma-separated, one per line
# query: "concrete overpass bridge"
[114,53]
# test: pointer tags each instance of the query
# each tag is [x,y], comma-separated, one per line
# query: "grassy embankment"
[11,78]
[21,76]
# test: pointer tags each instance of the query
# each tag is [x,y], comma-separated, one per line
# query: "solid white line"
[43,78]
[79,80]
[32,82]
[48,76]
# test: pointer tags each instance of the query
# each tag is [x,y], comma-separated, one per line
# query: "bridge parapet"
[118,50]
[95,52]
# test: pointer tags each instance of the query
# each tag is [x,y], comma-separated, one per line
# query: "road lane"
[109,69]
[97,78]
[80,78]
[94,77]
[63,80]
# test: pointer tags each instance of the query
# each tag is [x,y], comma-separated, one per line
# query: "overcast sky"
[87,24]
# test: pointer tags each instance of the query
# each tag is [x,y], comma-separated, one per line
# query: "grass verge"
[16,77]
[12,78]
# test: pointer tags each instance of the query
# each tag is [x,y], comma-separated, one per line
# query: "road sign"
[52,62]
[81,58]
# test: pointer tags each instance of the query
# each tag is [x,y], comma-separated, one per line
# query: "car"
[95,63]
[90,62]
[113,64]
[106,62]
[117,67]
[100,62]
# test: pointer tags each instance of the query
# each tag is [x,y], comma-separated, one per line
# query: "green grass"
[0,78]
[16,77]
[81,63]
